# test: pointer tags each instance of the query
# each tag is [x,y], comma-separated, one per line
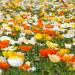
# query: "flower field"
[37,37]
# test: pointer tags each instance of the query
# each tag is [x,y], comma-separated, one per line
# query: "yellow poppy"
[38,36]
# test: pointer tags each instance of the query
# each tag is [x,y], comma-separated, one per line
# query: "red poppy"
[46,51]
[11,20]
[61,58]
[26,26]
[25,48]
[4,43]
[49,32]
[49,26]
[73,59]
[52,33]
[4,65]
[67,58]
[45,31]
[39,23]
[61,13]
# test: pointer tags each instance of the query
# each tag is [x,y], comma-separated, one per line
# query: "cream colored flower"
[32,41]
[54,58]
[28,32]
[68,45]
[51,45]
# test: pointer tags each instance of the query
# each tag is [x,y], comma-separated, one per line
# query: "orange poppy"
[61,57]
[11,20]
[73,59]
[67,58]
[49,32]
[25,48]
[4,43]
[39,23]
[45,31]
[26,26]
[24,67]
[64,6]
[45,51]
[4,65]
[52,33]
[61,13]
[36,31]
[49,26]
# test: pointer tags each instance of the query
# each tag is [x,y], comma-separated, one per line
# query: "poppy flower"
[38,36]
[52,33]
[54,58]
[4,65]
[73,59]
[45,31]
[61,57]
[24,67]
[64,51]
[25,48]
[39,23]
[66,58]
[45,51]
[11,20]
[15,62]
[36,31]
[49,26]
[28,32]
[61,13]
[4,43]
[51,45]
[26,26]
[49,32]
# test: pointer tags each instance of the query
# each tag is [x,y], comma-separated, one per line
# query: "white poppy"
[32,41]
[69,35]
[64,25]
[21,39]
[15,62]
[68,45]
